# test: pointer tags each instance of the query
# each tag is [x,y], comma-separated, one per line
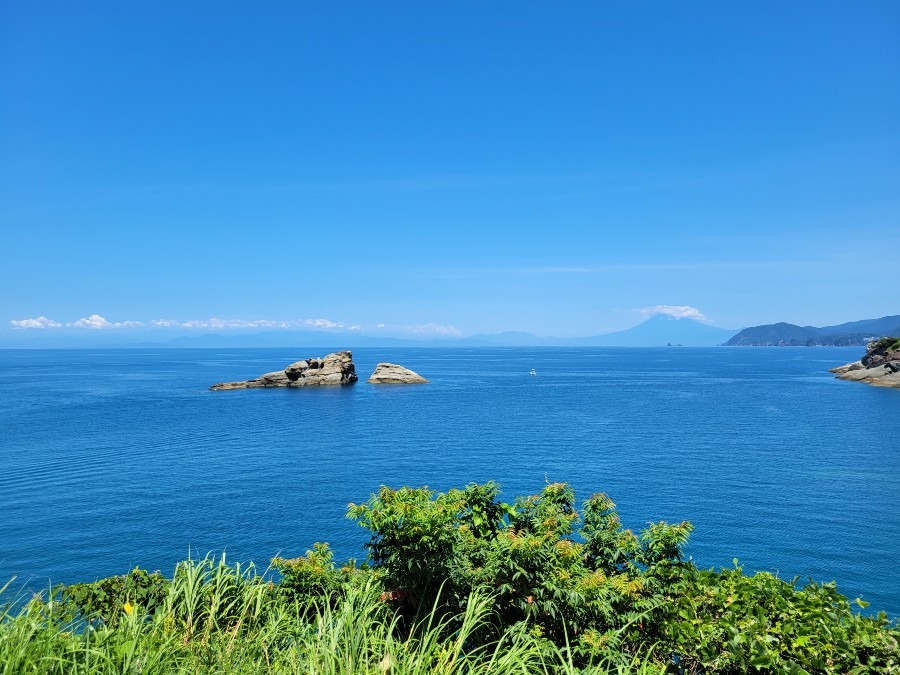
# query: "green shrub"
[729,622]
[107,599]
[586,585]
[315,575]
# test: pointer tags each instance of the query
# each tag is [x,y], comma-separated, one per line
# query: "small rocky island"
[334,369]
[880,366]
[391,373]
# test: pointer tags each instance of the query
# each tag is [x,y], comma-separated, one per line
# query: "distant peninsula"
[854,333]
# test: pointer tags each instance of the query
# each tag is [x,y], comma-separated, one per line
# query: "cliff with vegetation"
[854,333]
[457,582]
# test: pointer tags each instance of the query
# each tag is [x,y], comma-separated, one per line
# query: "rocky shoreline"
[329,370]
[879,367]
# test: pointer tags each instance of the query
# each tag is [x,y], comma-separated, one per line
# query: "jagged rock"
[332,369]
[391,373]
[840,370]
[880,366]
[275,378]
[293,371]
[879,357]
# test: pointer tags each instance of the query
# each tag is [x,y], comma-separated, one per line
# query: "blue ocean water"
[116,458]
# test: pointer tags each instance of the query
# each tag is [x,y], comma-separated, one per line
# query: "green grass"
[216,618]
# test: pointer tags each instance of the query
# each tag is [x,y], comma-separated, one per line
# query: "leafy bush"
[108,599]
[728,622]
[589,584]
[315,575]
[584,584]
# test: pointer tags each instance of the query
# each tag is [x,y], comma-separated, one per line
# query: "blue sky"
[453,168]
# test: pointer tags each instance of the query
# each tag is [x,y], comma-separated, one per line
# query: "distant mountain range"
[789,335]
[657,331]
[662,330]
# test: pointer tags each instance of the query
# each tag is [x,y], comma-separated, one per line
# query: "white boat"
[533,372]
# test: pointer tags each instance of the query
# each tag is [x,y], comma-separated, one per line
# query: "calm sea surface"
[116,458]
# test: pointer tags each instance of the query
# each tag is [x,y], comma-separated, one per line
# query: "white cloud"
[436,329]
[97,322]
[225,324]
[676,311]
[323,323]
[421,329]
[39,322]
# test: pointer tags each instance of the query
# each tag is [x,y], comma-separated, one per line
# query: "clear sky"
[456,167]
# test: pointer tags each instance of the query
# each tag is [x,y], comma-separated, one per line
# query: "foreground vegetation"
[457,582]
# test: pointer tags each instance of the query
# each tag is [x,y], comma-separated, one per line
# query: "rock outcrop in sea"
[333,369]
[391,373]
[880,366]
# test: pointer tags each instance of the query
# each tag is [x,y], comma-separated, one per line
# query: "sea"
[116,458]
